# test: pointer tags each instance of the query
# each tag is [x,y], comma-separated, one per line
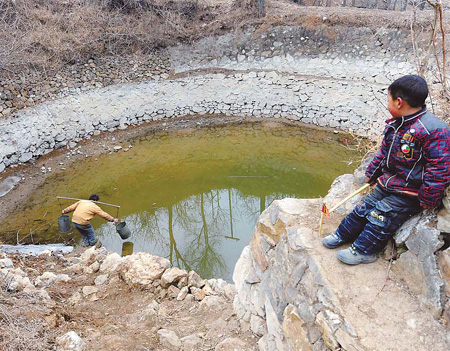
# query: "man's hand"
[116,220]
[63,212]
[425,206]
[367,180]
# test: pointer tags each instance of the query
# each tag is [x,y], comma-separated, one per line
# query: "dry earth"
[117,317]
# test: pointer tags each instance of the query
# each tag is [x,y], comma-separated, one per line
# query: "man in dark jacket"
[411,169]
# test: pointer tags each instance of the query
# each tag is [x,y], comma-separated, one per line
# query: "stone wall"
[295,294]
[328,76]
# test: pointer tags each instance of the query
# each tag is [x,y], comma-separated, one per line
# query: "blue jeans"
[376,219]
[87,233]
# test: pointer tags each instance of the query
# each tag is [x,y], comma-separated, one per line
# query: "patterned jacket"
[414,157]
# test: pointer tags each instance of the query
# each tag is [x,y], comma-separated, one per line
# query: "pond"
[191,195]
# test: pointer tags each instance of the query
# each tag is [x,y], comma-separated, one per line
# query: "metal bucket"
[123,230]
[64,224]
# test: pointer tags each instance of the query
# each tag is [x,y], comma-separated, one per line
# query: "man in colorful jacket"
[411,169]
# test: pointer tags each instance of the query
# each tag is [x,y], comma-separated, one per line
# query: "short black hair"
[413,89]
[94,197]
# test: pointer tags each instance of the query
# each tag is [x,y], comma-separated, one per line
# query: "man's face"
[394,106]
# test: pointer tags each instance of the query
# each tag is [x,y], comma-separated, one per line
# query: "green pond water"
[192,196]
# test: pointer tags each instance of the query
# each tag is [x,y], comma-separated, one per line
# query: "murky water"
[192,196]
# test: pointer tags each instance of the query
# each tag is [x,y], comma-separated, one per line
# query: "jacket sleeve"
[374,170]
[71,207]
[103,214]
[436,173]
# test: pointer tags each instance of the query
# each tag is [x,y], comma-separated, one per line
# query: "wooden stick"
[321,222]
[364,187]
[99,202]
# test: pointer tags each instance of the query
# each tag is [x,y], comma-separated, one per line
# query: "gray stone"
[195,280]
[191,342]
[6,263]
[8,184]
[169,339]
[406,230]
[172,276]
[426,241]
[101,279]
[25,157]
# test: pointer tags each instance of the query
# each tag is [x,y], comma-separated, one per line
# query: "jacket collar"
[408,118]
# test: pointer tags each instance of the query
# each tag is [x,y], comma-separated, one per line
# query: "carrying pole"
[98,202]
[325,210]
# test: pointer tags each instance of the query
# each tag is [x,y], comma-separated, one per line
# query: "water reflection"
[201,233]
[191,195]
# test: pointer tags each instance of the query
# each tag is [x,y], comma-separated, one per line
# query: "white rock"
[69,341]
[142,268]
[101,279]
[195,280]
[169,339]
[89,290]
[6,263]
[110,263]
[172,276]
[183,293]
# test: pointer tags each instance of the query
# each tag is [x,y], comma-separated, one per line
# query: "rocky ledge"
[296,295]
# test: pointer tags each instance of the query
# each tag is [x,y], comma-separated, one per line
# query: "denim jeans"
[87,233]
[375,220]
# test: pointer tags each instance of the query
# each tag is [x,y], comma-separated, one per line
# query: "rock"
[48,278]
[110,263]
[101,279]
[183,293]
[6,263]
[191,342]
[195,280]
[295,330]
[169,339]
[173,292]
[89,290]
[443,219]
[199,294]
[229,291]
[444,265]
[75,298]
[172,276]
[8,184]
[258,326]
[232,344]
[87,254]
[207,289]
[69,342]
[95,267]
[212,302]
[142,268]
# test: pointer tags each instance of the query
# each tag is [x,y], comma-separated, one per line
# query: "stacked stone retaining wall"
[327,76]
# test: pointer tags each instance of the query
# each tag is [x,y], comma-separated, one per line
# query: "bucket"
[64,224]
[127,248]
[123,230]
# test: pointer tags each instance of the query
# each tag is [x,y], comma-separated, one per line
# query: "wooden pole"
[364,187]
[98,202]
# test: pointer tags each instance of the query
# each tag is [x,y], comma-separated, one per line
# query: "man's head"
[405,94]
[94,197]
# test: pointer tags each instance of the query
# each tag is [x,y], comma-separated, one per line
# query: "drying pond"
[191,195]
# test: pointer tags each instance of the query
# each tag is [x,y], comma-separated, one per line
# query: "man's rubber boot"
[353,257]
[332,241]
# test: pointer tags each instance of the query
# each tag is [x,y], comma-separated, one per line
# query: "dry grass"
[47,33]
[22,324]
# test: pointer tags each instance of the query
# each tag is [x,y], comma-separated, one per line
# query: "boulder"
[101,279]
[110,263]
[142,268]
[49,278]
